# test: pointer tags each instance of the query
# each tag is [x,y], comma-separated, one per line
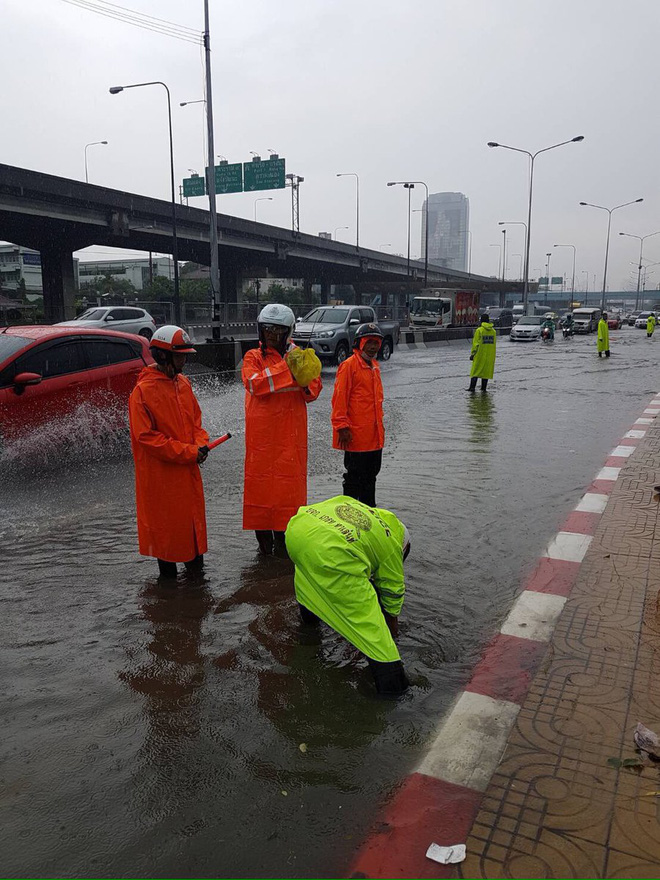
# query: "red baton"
[220,440]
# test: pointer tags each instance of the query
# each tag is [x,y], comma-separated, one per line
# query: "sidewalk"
[554,807]
[518,770]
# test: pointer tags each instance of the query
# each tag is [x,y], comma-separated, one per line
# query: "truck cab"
[330,331]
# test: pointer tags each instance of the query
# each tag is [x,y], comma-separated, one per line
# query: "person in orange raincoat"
[357,415]
[275,431]
[168,444]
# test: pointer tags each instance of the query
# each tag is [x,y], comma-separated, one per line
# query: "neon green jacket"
[650,324]
[483,349]
[349,562]
[603,343]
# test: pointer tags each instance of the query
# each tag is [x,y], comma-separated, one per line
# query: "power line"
[147,23]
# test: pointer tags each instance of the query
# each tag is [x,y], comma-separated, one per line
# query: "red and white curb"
[438,802]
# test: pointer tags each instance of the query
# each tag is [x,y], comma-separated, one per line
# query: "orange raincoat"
[166,432]
[275,440]
[357,403]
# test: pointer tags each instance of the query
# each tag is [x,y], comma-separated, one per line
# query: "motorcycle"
[567,330]
[547,335]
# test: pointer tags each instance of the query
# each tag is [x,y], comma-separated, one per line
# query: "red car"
[48,373]
[614,322]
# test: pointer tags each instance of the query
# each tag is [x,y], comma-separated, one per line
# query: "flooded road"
[200,732]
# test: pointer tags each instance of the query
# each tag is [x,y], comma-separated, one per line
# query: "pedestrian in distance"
[348,561]
[603,341]
[482,354]
[169,444]
[357,415]
[650,325]
[276,398]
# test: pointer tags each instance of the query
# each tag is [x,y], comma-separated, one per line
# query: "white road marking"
[593,502]
[608,473]
[533,616]
[471,741]
[568,546]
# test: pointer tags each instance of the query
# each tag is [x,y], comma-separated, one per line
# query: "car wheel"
[385,352]
[341,353]
[146,332]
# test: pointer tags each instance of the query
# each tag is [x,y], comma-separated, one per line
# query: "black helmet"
[367,330]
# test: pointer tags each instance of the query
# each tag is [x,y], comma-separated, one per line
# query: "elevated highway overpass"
[57,216]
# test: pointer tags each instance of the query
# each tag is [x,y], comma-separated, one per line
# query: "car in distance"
[500,317]
[528,328]
[614,322]
[48,373]
[127,319]
[642,318]
[585,319]
[631,318]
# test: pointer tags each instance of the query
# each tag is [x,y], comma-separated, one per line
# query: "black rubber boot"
[279,545]
[484,384]
[473,384]
[167,570]
[390,678]
[265,541]
[607,353]
[308,617]
[195,565]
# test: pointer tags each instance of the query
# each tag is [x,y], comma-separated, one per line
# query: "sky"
[388,90]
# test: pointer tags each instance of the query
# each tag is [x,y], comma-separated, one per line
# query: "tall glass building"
[449,221]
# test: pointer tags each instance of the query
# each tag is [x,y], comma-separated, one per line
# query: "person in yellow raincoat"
[603,341]
[482,354]
[650,325]
[349,573]
[275,429]
[168,444]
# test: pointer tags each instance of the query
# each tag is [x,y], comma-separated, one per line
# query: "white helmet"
[172,338]
[274,313]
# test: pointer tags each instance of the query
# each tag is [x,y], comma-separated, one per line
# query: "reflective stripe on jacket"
[166,432]
[483,348]
[349,563]
[275,440]
[357,403]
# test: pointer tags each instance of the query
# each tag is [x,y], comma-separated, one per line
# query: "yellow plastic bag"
[304,365]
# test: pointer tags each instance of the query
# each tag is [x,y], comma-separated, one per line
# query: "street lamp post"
[410,184]
[520,267]
[114,90]
[93,144]
[641,239]
[532,157]
[574,258]
[499,258]
[262,199]
[610,211]
[547,272]
[357,204]
[515,223]
[337,228]
[586,285]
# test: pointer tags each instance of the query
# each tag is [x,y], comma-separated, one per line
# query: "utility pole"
[214,276]
[294,181]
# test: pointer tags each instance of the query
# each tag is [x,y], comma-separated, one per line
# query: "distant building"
[449,222]
[20,264]
[138,271]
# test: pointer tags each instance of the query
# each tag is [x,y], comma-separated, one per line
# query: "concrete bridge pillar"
[325,291]
[59,284]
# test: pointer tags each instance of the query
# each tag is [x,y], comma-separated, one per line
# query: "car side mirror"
[109,318]
[22,380]
[354,321]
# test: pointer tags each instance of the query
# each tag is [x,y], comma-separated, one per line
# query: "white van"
[585,320]
[518,312]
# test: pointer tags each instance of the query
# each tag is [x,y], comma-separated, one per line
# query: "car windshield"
[11,344]
[495,313]
[531,319]
[645,315]
[429,305]
[326,316]
[91,315]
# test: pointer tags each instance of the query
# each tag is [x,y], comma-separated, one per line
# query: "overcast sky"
[387,89]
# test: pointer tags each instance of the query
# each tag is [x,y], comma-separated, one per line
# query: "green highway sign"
[267,174]
[229,178]
[193,186]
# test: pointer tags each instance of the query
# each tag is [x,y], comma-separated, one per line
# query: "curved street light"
[337,228]
[410,184]
[261,199]
[114,90]
[532,157]
[93,144]
[641,239]
[610,211]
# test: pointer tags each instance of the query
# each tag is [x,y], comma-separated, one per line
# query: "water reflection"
[481,412]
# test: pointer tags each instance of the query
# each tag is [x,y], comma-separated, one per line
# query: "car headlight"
[324,334]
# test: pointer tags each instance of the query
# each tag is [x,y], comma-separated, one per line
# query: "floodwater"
[201,732]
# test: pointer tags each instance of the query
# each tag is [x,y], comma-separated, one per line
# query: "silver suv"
[125,318]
